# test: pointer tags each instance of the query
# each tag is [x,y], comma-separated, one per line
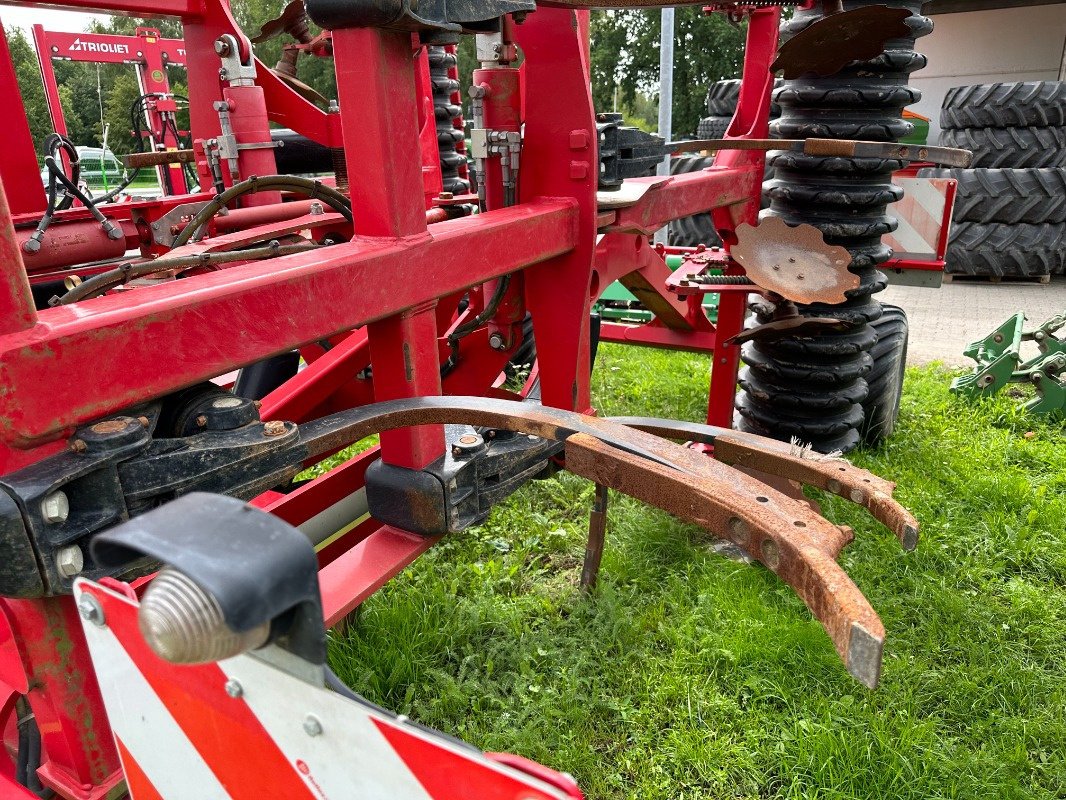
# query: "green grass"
[689,676]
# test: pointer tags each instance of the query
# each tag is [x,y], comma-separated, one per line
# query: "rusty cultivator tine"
[783,533]
[590,569]
[834,475]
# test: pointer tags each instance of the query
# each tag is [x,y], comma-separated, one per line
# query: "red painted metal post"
[751,121]
[64,696]
[387,202]
[432,182]
[560,154]
[251,126]
[18,163]
[17,312]
[48,76]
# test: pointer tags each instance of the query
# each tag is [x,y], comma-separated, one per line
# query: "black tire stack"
[1010,210]
[817,388]
[447,109]
[699,228]
[722,99]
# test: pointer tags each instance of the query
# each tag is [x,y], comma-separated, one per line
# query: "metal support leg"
[590,571]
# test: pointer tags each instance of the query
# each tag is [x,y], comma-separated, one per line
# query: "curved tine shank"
[331,433]
[786,535]
[762,529]
[839,477]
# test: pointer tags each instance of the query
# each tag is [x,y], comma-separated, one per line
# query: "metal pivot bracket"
[480,468]
[238,66]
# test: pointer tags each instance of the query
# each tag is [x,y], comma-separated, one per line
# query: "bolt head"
[316,208]
[70,561]
[55,508]
[222,47]
[78,446]
[312,725]
[90,610]
[273,428]
[201,421]
[496,342]
[234,688]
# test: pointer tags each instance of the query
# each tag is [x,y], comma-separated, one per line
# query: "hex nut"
[55,508]
[273,428]
[91,611]
[70,561]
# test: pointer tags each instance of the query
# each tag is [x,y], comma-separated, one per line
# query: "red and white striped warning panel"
[922,214]
[244,728]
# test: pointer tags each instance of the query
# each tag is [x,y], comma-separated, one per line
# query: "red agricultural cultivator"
[171,365]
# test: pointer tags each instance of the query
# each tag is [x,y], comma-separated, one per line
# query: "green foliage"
[625,57]
[29,80]
[689,676]
[84,88]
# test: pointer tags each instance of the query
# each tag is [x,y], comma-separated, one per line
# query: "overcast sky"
[25,18]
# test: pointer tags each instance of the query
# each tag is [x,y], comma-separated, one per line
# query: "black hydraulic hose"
[99,284]
[72,189]
[306,186]
[471,326]
[53,143]
[28,759]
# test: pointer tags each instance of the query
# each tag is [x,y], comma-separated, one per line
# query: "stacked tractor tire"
[835,390]
[1010,211]
[722,99]
[448,110]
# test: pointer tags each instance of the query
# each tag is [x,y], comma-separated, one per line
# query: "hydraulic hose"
[98,284]
[306,186]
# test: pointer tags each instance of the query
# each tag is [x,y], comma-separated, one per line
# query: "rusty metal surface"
[843,148]
[782,532]
[292,20]
[794,262]
[836,476]
[590,569]
[827,46]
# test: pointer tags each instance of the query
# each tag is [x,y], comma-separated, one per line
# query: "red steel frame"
[149,52]
[385,298]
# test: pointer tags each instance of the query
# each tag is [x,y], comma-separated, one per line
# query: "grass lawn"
[689,676]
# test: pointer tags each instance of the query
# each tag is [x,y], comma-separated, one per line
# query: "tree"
[31,88]
[625,58]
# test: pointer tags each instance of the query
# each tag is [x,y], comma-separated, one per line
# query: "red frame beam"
[104,355]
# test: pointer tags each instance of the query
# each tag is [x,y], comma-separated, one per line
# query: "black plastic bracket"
[258,568]
[480,468]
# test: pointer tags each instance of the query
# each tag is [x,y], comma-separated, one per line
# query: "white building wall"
[1010,44]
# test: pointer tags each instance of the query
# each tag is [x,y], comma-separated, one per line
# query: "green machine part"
[618,304]
[999,362]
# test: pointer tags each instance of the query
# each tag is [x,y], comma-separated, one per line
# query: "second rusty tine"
[786,535]
[590,569]
[835,476]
